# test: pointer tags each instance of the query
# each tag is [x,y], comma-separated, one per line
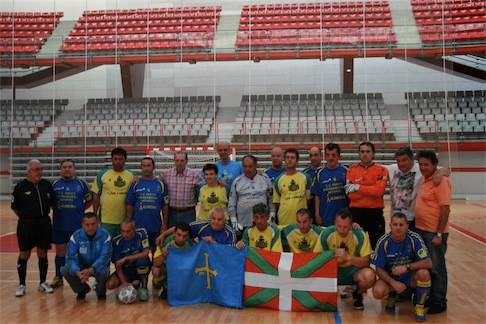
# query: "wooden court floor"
[466,261]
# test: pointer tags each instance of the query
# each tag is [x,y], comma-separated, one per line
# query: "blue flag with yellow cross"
[206,273]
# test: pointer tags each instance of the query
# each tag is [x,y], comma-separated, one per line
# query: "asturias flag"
[206,273]
[291,281]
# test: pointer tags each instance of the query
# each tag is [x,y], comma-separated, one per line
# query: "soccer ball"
[127,295]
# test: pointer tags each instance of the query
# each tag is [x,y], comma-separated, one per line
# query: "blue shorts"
[61,237]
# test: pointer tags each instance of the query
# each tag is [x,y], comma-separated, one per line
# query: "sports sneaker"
[437,308]
[358,300]
[20,292]
[420,313]
[46,288]
[82,295]
[57,282]
[143,294]
[390,303]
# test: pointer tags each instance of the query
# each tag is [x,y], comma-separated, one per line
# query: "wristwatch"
[438,234]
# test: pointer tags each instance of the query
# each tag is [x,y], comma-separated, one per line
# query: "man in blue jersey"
[71,197]
[214,230]
[131,258]
[277,167]
[328,187]
[228,170]
[402,262]
[147,202]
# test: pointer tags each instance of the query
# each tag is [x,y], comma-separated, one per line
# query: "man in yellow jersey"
[262,235]
[110,189]
[212,194]
[303,236]
[291,189]
[352,250]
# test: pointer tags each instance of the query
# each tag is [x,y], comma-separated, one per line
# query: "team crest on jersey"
[119,182]
[293,186]
[261,243]
[422,253]
[212,199]
[27,193]
[304,245]
[343,246]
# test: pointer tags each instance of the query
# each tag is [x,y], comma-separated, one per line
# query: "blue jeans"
[187,216]
[438,291]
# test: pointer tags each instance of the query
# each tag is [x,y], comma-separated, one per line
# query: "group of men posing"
[330,207]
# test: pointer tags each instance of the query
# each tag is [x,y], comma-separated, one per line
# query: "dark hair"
[344,213]
[293,151]
[89,215]
[400,215]
[333,146]
[427,154]
[210,166]
[182,153]
[183,226]
[252,157]
[304,211]
[119,151]
[368,144]
[67,160]
[148,158]
[404,151]
[260,208]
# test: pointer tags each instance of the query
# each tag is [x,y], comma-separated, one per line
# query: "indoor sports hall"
[79,78]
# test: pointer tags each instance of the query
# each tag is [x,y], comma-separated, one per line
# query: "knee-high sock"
[143,274]
[22,270]
[60,261]
[422,291]
[43,265]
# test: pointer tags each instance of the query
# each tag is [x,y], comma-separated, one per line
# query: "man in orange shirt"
[366,183]
[432,211]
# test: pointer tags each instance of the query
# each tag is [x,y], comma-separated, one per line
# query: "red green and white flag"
[290,281]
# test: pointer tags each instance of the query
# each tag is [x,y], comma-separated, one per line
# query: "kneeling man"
[402,262]
[352,250]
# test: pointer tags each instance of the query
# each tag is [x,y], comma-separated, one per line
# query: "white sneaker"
[45,287]
[20,291]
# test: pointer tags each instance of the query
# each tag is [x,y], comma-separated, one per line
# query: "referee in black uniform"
[32,201]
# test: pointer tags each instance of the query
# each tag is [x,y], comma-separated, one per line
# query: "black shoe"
[358,300]
[437,309]
[163,293]
[101,297]
[82,295]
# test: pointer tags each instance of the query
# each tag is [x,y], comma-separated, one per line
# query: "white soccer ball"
[127,295]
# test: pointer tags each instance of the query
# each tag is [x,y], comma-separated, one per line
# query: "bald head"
[34,171]
[277,157]
[223,150]
[315,157]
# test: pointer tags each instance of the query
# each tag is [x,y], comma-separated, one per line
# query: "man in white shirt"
[405,178]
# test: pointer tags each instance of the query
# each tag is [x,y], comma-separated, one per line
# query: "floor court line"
[477,204]
[473,236]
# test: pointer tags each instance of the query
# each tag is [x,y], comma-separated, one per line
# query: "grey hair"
[129,221]
[216,210]
[31,163]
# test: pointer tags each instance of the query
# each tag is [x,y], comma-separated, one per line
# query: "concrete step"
[53,44]
[404,24]
[225,37]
